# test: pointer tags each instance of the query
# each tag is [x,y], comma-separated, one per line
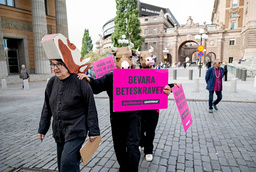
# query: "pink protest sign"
[103,66]
[182,105]
[139,89]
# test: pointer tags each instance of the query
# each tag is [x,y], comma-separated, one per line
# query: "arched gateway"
[182,44]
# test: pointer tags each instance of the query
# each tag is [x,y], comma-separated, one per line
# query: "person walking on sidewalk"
[23,73]
[213,80]
[70,102]
[225,71]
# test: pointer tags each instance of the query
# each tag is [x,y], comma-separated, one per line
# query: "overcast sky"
[93,14]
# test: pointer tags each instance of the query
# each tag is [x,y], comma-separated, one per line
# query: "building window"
[154,31]
[7,2]
[146,32]
[232,25]
[232,41]
[234,3]
[146,46]
[233,15]
[230,59]
[146,19]
[154,18]
[154,45]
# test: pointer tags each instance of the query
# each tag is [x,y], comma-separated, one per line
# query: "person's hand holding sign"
[168,90]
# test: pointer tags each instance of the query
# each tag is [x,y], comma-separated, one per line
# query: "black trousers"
[149,119]
[126,128]
[219,97]
[68,155]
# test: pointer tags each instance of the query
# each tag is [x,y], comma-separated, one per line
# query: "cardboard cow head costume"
[123,58]
[57,46]
[146,58]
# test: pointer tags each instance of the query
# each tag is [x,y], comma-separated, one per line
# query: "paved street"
[222,141]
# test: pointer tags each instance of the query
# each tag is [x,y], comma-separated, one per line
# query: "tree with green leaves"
[127,23]
[86,43]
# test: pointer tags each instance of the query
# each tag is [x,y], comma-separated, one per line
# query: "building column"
[161,44]
[61,17]
[220,47]
[3,64]
[175,50]
[39,23]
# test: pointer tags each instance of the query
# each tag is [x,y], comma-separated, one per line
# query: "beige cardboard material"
[89,149]
[57,46]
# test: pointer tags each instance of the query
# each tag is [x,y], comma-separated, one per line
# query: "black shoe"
[215,107]
[210,111]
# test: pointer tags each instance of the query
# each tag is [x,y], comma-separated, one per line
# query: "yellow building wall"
[23,4]
[241,3]
[240,20]
[15,14]
[26,16]
[227,3]
[51,7]
[227,19]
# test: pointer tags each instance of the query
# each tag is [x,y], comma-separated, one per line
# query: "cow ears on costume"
[57,46]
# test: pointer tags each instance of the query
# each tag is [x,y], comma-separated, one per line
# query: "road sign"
[200,48]
[200,54]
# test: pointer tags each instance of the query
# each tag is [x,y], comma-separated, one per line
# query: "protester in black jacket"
[126,126]
[70,102]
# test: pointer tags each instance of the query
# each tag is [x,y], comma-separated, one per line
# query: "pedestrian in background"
[213,79]
[70,102]
[184,64]
[225,71]
[23,74]
[209,64]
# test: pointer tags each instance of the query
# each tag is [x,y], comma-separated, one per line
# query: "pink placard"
[182,105]
[103,66]
[139,89]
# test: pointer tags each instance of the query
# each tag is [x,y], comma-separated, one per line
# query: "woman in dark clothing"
[70,102]
[225,72]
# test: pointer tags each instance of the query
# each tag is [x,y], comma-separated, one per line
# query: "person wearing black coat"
[70,102]
[125,127]
[225,72]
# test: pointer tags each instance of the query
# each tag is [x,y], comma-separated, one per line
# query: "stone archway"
[211,56]
[186,50]
[169,59]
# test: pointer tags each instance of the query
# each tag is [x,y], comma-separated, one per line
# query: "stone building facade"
[22,26]
[231,36]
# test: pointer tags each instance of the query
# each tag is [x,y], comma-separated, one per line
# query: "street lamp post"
[201,37]
[123,40]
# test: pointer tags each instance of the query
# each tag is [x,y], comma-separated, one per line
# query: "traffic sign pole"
[200,55]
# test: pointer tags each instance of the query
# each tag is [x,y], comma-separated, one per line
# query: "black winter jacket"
[71,104]
[105,83]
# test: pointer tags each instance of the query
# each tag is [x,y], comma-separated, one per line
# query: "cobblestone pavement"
[222,141]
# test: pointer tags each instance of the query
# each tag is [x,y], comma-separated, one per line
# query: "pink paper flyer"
[182,105]
[139,89]
[103,66]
